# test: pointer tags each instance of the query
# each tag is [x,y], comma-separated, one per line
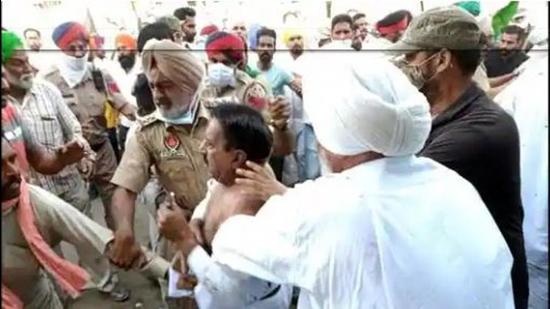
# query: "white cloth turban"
[359,103]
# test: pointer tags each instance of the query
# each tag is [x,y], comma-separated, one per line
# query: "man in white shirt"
[531,115]
[384,230]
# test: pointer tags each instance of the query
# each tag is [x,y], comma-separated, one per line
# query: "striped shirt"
[52,124]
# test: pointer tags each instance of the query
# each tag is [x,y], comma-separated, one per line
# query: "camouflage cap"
[445,27]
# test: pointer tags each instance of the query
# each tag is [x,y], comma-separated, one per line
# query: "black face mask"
[127,61]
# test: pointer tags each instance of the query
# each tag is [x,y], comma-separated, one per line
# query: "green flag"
[503,17]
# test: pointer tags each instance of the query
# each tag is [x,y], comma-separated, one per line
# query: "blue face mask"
[186,118]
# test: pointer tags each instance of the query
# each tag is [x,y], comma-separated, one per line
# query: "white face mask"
[220,75]
[73,69]
[75,64]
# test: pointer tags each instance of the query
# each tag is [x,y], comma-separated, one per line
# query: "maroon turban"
[226,43]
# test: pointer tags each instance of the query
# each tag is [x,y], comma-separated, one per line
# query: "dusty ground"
[143,290]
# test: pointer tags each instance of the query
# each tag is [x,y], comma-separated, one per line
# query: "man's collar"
[471,93]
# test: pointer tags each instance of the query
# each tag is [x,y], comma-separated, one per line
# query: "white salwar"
[384,234]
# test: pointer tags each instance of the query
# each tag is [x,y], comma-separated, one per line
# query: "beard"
[24,82]
[266,57]
[297,50]
[127,62]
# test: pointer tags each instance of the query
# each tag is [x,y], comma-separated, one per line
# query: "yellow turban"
[291,32]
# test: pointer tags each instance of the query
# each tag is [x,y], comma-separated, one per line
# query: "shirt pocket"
[53,131]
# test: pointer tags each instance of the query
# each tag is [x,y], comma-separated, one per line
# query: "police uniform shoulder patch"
[255,95]
[171,141]
[146,121]
[242,77]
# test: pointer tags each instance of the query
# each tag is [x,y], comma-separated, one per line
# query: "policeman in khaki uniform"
[227,82]
[85,90]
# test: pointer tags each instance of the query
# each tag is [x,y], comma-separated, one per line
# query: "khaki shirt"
[56,221]
[175,153]
[245,91]
[88,104]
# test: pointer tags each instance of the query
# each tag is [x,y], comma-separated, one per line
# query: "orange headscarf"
[126,40]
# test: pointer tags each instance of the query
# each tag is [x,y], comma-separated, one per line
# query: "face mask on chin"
[182,119]
[220,75]
[179,115]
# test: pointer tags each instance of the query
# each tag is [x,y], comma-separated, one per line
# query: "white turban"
[361,103]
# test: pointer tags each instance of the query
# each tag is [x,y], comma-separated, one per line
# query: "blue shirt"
[277,78]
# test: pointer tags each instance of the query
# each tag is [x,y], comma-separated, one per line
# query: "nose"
[28,67]
[79,53]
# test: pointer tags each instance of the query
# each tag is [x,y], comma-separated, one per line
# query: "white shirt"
[526,99]
[401,232]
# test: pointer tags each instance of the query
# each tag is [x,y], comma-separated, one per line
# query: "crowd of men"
[385,177]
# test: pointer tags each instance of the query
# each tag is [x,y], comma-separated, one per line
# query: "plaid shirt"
[52,124]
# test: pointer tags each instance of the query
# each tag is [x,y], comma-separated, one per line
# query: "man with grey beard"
[51,122]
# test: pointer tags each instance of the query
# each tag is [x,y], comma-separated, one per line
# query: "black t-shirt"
[477,139]
[497,65]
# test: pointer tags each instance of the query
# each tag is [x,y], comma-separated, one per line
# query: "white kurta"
[526,99]
[392,233]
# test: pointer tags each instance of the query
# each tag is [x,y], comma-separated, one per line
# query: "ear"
[239,159]
[444,61]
